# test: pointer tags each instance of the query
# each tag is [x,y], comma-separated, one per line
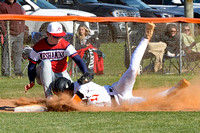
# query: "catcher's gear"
[149,29]
[85,78]
[62,84]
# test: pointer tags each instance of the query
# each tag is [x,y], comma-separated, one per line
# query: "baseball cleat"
[182,84]
[149,29]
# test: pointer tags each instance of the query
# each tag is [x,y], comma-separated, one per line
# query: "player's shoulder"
[63,41]
[90,85]
[40,44]
[63,44]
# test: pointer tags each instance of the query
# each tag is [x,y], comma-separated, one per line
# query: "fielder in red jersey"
[51,55]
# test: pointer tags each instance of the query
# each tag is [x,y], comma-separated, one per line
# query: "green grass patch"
[114,60]
[100,122]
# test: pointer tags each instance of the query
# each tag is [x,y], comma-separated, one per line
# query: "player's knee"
[46,65]
[132,70]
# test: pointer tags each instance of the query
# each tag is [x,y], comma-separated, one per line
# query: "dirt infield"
[187,99]
[7,105]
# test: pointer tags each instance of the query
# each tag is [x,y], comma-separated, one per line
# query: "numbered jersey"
[95,94]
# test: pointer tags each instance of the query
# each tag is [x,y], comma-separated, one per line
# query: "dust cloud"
[187,99]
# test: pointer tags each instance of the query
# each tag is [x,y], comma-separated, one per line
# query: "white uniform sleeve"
[34,55]
[70,50]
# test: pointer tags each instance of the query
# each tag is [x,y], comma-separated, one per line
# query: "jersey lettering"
[94,97]
[52,55]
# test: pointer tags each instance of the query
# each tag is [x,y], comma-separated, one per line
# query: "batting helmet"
[62,84]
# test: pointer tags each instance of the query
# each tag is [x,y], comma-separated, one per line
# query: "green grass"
[114,60]
[100,122]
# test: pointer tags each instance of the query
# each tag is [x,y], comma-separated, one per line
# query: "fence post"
[9,48]
[188,9]
[74,43]
[180,51]
[128,41]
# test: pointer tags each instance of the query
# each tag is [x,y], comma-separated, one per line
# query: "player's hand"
[28,86]
[85,78]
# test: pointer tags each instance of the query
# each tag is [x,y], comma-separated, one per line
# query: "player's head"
[62,85]
[55,32]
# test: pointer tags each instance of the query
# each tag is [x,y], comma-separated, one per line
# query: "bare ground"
[7,105]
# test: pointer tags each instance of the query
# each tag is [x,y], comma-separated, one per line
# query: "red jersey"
[57,54]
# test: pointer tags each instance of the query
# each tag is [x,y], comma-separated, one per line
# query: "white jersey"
[121,90]
[95,94]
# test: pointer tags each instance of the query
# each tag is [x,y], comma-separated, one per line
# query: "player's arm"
[31,75]
[32,72]
[71,52]
[86,77]
[80,63]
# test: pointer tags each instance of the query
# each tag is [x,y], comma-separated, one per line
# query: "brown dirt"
[187,99]
[7,105]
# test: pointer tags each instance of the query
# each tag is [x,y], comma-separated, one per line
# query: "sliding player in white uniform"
[120,91]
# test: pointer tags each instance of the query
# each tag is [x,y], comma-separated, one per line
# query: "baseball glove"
[85,78]
[26,52]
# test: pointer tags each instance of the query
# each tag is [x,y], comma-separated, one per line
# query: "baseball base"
[30,108]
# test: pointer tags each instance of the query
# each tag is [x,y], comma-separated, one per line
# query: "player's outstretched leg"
[149,29]
[180,85]
[125,85]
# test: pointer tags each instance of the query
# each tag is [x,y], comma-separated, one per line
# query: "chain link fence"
[173,49]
